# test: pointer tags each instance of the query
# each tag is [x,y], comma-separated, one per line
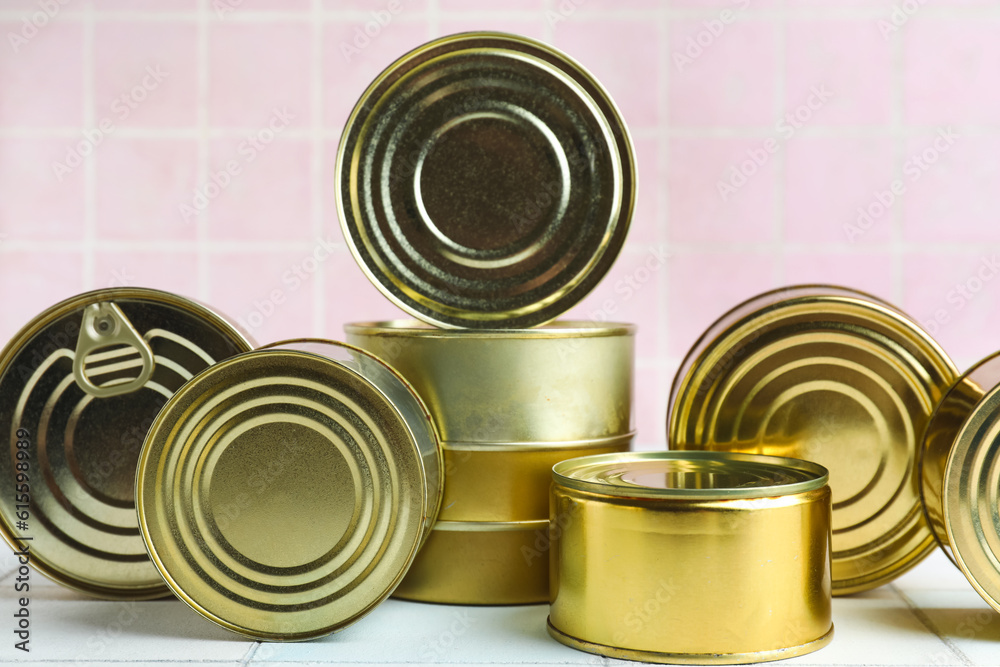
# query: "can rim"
[687,658]
[490,526]
[562,300]
[38,324]
[746,311]
[553,329]
[540,446]
[775,474]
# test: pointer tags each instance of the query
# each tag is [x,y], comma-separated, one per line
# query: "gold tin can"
[79,386]
[691,557]
[509,482]
[284,492]
[481,563]
[485,180]
[560,383]
[830,375]
[959,472]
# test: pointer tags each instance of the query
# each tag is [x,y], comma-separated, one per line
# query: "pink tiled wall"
[705,86]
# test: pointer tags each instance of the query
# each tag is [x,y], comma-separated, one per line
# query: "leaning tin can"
[829,375]
[284,493]
[485,180]
[690,557]
[79,386]
[565,382]
[959,473]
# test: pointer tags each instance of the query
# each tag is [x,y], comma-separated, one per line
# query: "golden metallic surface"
[509,482]
[284,492]
[939,438]
[485,180]
[481,563]
[690,557]
[971,491]
[563,382]
[829,375]
[79,387]
[403,396]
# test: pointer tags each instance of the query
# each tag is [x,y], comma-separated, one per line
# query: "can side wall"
[489,390]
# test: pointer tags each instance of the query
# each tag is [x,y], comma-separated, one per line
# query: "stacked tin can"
[508,406]
[486,184]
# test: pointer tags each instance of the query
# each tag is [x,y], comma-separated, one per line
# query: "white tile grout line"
[662,200]
[251,16]
[89,166]
[251,652]
[201,220]
[781,157]
[433,18]
[925,621]
[317,170]
[898,151]
[649,132]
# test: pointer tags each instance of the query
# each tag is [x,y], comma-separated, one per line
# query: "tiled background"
[179,85]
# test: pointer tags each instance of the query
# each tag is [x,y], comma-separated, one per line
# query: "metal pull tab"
[105,326]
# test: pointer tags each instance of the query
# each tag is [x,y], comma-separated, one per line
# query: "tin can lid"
[939,438]
[282,494]
[485,180]
[79,387]
[970,498]
[694,475]
[835,376]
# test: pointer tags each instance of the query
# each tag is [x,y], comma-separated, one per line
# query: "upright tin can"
[834,376]
[485,180]
[284,493]
[959,473]
[690,557]
[481,563]
[564,382]
[79,386]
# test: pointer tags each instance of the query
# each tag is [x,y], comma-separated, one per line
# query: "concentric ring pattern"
[76,451]
[281,495]
[485,181]
[972,496]
[832,376]
[941,434]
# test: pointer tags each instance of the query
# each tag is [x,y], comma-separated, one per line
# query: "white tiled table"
[931,616]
